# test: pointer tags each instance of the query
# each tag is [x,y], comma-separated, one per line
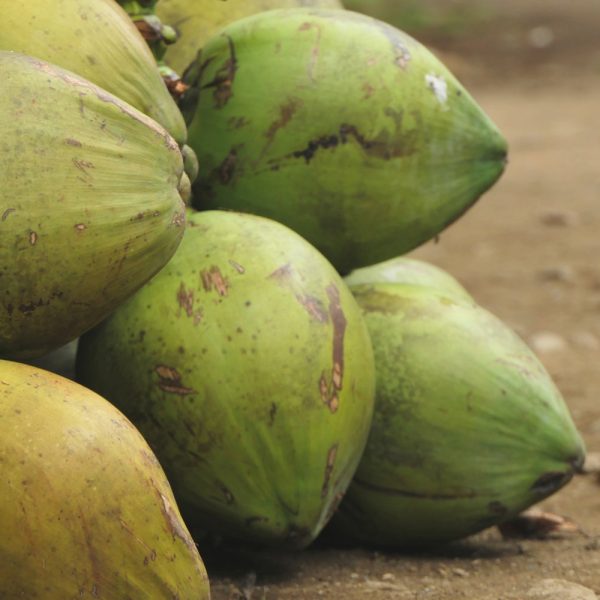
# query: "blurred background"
[500,38]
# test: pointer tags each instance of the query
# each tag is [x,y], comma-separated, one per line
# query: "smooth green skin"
[467,423]
[326,121]
[97,40]
[226,361]
[196,21]
[408,271]
[86,510]
[89,204]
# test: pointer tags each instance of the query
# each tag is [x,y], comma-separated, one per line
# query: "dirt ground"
[527,251]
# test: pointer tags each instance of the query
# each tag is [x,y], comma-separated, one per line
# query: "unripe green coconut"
[97,40]
[247,366]
[341,127]
[89,204]
[408,271]
[85,510]
[196,21]
[468,430]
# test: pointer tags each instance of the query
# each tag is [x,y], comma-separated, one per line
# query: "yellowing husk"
[97,40]
[85,509]
[89,204]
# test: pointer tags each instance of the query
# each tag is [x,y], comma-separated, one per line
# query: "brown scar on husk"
[331,384]
[224,77]
[402,55]
[272,413]
[213,279]
[369,90]
[28,308]
[282,274]
[239,268]
[229,498]
[185,300]
[84,165]
[178,219]
[170,381]
[337,500]
[73,142]
[237,122]
[80,226]
[92,554]
[330,463]
[226,169]
[6,213]
[383,146]
[286,114]
[313,306]
[174,525]
[316,49]
[33,238]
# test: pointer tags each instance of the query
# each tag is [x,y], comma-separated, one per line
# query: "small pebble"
[559,218]
[460,572]
[545,342]
[540,37]
[562,273]
[559,589]
[388,577]
[586,340]
[592,463]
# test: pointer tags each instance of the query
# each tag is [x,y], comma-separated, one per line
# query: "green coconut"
[247,366]
[339,126]
[97,40]
[86,510]
[409,271]
[198,20]
[468,430]
[89,207]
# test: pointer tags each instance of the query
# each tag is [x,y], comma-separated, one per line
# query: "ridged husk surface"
[85,510]
[248,367]
[97,40]
[410,271]
[196,21]
[89,204]
[341,127]
[468,430]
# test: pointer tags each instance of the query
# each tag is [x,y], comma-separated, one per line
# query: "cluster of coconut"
[281,358]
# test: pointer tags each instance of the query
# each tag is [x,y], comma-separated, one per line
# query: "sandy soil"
[527,251]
